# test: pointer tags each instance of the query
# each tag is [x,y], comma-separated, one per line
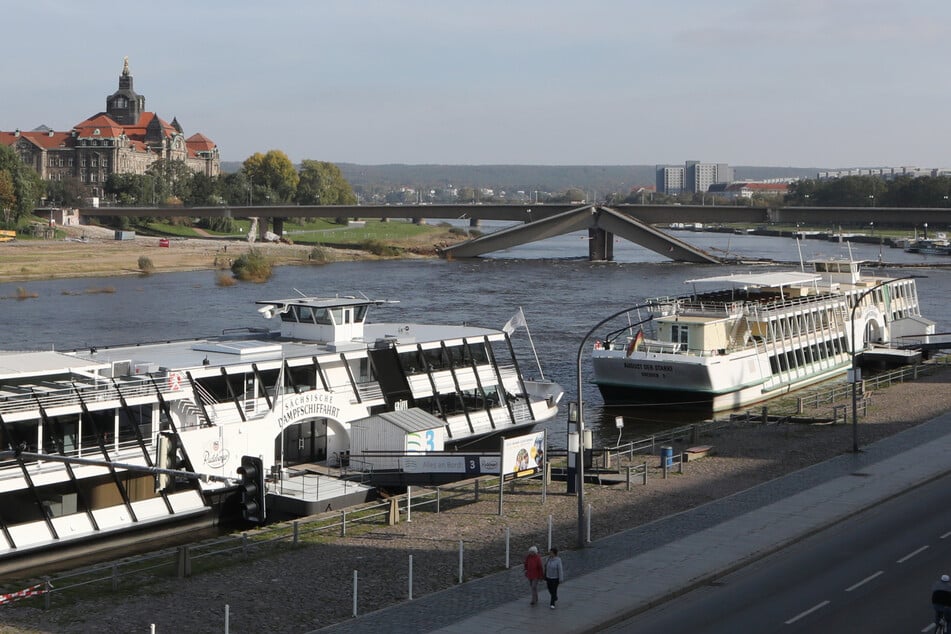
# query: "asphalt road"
[872,573]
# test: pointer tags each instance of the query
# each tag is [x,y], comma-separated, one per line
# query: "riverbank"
[90,251]
[297,590]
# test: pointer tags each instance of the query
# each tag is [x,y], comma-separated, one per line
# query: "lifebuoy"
[174,381]
[597,344]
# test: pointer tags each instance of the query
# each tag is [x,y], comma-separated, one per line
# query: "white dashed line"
[864,581]
[912,554]
[807,612]
[946,535]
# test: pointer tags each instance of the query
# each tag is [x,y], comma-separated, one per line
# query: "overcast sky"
[803,83]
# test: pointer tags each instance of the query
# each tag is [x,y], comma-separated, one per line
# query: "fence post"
[410,582]
[47,593]
[665,467]
[296,532]
[644,470]
[589,524]
[682,456]
[477,490]
[438,498]
[549,531]
[227,618]
[409,504]
[799,405]
[244,543]
[343,523]
[460,561]
[508,551]
[628,477]
[765,415]
[354,593]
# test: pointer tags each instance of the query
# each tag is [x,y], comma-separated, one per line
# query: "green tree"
[68,192]
[272,177]
[172,180]
[26,185]
[322,183]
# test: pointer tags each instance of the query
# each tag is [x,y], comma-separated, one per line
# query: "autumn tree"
[272,177]
[322,183]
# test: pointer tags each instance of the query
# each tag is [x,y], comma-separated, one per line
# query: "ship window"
[678,334]
[434,358]
[412,363]
[478,353]
[322,317]
[337,314]
[359,314]
[305,314]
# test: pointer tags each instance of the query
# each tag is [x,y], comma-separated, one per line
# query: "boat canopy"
[773,279]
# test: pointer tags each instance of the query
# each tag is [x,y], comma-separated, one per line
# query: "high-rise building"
[670,180]
[699,176]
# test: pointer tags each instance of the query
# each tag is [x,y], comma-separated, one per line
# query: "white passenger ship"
[765,334]
[102,441]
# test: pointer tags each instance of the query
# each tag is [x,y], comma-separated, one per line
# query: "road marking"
[945,536]
[912,554]
[864,581]
[807,612]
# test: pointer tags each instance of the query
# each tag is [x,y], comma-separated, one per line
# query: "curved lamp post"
[579,457]
[855,374]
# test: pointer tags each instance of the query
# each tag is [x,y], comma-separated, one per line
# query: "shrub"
[223,279]
[317,256]
[379,248]
[253,266]
[145,265]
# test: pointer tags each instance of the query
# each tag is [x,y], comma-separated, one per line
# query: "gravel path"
[292,591]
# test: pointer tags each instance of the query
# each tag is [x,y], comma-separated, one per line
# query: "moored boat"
[111,439]
[755,337]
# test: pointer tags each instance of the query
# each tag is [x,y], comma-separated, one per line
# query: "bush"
[223,279]
[379,248]
[253,266]
[317,256]
[145,265]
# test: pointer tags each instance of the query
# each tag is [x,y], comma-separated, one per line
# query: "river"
[562,295]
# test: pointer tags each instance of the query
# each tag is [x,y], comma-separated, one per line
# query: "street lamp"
[871,199]
[854,374]
[579,457]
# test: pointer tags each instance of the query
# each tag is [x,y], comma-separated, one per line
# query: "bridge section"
[602,224]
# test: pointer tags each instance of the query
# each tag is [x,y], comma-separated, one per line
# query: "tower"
[124,105]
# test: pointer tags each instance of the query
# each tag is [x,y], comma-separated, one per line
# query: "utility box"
[125,235]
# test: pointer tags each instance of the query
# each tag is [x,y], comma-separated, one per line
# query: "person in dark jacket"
[941,599]
[534,571]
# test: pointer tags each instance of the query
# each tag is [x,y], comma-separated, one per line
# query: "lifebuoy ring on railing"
[598,345]
[175,381]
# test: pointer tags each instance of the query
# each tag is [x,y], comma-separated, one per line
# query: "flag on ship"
[635,342]
[517,321]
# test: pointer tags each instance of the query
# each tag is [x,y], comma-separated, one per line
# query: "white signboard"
[524,455]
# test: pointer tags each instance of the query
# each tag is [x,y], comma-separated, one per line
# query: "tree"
[272,176]
[68,192]
[24,183]
[172,180]
[322,183]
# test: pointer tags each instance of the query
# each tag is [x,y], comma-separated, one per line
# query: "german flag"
[635,342]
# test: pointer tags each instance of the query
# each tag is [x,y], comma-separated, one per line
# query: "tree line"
[268,178]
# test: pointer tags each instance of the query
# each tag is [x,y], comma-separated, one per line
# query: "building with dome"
[125,139]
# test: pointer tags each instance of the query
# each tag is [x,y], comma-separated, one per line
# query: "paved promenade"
[619,576]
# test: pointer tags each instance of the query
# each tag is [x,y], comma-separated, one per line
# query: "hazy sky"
[804,83]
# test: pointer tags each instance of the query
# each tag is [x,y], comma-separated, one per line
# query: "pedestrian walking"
[534,570]
[554,574]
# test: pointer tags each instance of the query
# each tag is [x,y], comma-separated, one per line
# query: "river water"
[562,294]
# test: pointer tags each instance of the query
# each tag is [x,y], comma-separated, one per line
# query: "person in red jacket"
[534,571]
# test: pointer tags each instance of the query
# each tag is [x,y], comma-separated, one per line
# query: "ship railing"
[711,308]
[69,394]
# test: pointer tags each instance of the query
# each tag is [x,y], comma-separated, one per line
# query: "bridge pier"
[474,222]
[419,221]
[279,227]
[600,245]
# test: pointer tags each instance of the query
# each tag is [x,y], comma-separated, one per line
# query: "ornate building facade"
[125,139]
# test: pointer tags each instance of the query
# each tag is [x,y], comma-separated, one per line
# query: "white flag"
[516,322]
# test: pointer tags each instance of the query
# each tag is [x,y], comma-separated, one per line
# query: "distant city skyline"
[819,83]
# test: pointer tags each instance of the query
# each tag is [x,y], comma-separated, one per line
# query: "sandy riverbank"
[94,252]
